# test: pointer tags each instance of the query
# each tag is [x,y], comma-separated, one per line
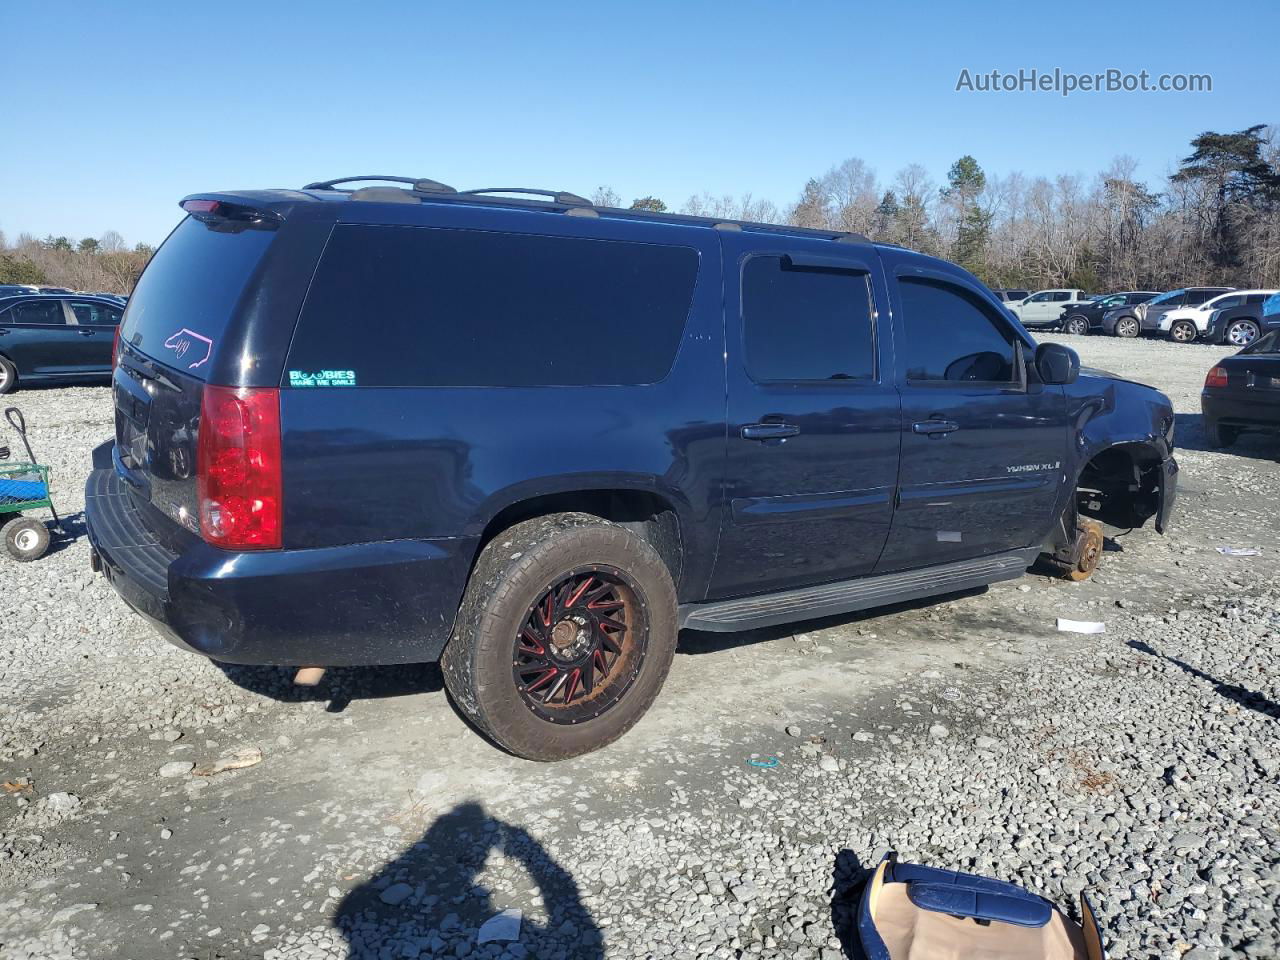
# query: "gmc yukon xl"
[534,438]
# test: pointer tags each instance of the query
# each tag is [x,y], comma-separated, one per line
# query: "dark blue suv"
[534,438]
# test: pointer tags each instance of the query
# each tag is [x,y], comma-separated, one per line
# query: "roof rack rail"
[420,184]
[559,196]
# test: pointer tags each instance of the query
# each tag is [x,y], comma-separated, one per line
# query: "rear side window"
[38,311]
[179,311]
[953,336]
[806,324]
[95,314]
[427,306]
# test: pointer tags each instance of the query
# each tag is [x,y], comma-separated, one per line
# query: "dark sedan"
[46,338]
[1243,392]
[1082,318]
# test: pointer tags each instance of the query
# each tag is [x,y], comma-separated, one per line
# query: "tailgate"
[181,317]
[157,422]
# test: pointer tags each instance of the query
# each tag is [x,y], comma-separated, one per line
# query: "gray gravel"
[1141,765]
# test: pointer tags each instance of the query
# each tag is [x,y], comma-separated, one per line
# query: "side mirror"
[1056,364]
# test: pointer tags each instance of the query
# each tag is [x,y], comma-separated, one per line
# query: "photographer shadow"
[430,894]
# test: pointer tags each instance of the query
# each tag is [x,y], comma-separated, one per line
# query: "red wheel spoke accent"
[542,680]
[612,604]
[610,624]
[609,643]
[577,594]
[532,648]
[556,688]
[597,660]
[572,685]
[547,611]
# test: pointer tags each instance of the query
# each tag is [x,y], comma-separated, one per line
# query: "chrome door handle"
[935,428]
[769,431]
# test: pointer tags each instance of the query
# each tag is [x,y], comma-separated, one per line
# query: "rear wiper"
[151,370]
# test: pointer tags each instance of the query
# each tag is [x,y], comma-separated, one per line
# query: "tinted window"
[1172,298]
[421,306]
[1060,296]
[37,311]
[802,324]
[1195,297]
[189,291]
[1141,297]
[95,314]
[1254,298]
[1041,297]
[1019,294]
[1267,343]
[952,335]
[1225,302]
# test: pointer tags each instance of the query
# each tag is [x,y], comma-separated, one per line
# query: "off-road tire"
[25,539]
[1128,327]
[8,377]
[1184,331]
[1077,325]
[516,568]
[1218,436]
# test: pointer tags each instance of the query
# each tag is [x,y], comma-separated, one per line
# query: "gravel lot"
[1141,765]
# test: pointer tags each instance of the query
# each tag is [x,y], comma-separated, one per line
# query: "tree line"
[1214,220]
[96,264]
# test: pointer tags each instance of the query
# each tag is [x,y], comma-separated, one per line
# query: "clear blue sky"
[114,111]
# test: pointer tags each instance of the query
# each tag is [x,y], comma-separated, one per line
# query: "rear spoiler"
[214,208]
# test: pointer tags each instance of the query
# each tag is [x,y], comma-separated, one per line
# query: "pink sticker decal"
[183,341]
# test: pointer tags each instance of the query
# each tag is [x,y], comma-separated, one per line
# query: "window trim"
[1020,341]
[816,264]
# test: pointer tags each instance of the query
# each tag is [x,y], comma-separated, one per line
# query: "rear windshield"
[180,308]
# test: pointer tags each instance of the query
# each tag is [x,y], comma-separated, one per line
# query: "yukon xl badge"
[1034,467]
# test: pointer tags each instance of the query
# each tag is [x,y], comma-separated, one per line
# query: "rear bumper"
[372,603]
[1257,410]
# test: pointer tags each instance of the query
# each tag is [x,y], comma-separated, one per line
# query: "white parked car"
[1188,324]
[1044,307]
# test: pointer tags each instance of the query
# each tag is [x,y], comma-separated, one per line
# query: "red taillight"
[238,481]
[115,347]
[1217,377]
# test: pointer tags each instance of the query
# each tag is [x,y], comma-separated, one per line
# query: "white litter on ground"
[1239,551]
[502,927]
[1081,626]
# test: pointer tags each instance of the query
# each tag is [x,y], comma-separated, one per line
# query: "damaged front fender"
[1123,440]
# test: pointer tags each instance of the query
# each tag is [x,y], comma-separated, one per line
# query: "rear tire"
[537,689]
[25,539]
[1077,325]
[1218,436]
[1128,327]
[8,376]
[1240,333]
[1184,331]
